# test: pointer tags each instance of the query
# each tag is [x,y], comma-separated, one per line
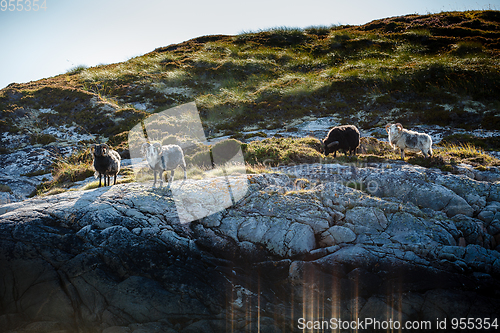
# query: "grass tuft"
[76,70]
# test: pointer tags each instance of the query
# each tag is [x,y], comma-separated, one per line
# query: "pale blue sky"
[35,45]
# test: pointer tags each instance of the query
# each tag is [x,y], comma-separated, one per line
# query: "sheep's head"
[144,148]
[326,149]
[100,150]
[393,129]
[151,150]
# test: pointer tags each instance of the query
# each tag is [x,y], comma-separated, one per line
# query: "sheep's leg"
[335,154]
[423,152]
[161,177]
[171,177]
[100,175]
[114,183]
[185,174]
[154,174]
[402,154]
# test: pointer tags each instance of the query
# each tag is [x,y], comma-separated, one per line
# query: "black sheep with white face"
[345,137]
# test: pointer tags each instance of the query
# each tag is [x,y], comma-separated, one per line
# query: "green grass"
[439,69]
[260,156]
[281,151]
[66,171]
[65,174]
[416,63]
[487,143]
[260,75]
[446,156]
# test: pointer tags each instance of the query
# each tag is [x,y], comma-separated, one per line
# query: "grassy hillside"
[432,69]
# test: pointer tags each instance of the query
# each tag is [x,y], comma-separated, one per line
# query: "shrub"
[5,188]
[201,159]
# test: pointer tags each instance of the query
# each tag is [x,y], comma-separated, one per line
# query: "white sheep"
[404,139]
[163,158]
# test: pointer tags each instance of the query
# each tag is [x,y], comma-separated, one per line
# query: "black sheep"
[345,137]
[106,162]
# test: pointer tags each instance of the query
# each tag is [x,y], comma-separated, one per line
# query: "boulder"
[337,235]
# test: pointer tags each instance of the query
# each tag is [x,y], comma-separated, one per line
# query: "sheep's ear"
[331,144]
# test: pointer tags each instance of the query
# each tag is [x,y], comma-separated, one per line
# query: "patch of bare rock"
[350,242]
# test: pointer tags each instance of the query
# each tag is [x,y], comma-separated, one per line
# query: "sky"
[69,33]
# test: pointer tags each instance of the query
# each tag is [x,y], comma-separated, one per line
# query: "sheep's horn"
[387,127]
[331,144]
[400,126]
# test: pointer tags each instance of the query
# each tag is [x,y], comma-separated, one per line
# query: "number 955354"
[23,5]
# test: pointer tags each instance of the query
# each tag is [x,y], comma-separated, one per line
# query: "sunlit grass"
[95,184]
[138,66]
[282,151]
[447,156]
[263,75]
[465,150]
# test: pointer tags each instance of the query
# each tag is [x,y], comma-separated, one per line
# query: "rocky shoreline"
[391,242]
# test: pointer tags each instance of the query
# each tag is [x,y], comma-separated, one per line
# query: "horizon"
[51,41]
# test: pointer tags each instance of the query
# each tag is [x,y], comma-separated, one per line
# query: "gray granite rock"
[337,235]
[119,259]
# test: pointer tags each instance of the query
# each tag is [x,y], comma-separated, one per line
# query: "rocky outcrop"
[409,244]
